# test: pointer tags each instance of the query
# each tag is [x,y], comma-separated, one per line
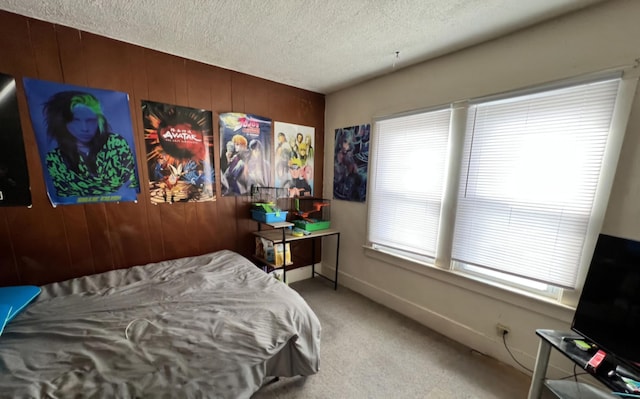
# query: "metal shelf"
[576,390]
[282,234]
[275,236]
[563,342]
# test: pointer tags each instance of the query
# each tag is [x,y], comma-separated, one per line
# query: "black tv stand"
[609,373]
[571,337]
[624,372]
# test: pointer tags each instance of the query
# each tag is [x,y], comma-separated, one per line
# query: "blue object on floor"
[17,297]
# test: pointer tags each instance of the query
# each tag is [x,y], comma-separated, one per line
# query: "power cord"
[574,375]
[504,340]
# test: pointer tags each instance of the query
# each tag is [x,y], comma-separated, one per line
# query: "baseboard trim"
[476,340]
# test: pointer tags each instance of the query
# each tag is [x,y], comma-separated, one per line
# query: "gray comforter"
[203,327]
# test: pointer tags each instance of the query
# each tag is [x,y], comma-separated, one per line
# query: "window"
[512,189]
[409,178]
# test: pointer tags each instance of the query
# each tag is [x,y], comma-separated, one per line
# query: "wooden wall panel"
[108,67]
[45,50]
[44,244]
[72,58]
[8,269]
[189,241]
[199,87]
[47,59]
[308,106]
[174,218]
[77,70]
[129,234]
[250,94]
[99,237]
[78,240]
[224,229]
[39,227]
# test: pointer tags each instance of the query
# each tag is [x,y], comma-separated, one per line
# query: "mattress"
[212,326]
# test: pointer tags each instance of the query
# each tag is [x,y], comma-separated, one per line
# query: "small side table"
[283,235]
[562,341]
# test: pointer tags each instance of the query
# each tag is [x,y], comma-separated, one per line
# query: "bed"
[206,326]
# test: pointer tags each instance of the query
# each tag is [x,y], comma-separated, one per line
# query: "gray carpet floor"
[369,351]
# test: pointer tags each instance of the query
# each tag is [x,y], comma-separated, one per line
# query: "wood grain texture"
[200,87]
[38,237]
[43,244]
[8,268]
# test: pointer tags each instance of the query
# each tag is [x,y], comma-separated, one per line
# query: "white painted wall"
[602,37]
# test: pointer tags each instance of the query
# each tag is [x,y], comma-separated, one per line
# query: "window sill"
[526,300]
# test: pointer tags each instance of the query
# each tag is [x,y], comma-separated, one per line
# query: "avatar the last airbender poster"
[179,145]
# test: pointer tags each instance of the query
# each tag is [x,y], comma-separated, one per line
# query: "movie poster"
[351,160]
[245,152]
[179,145]
[85,140]
[294,153]
[14,175]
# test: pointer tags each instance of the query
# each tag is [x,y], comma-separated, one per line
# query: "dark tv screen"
[608,313]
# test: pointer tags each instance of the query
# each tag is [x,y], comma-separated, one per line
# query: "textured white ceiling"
[318,45]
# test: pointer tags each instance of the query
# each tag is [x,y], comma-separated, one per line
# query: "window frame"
[442,261]
[375,147]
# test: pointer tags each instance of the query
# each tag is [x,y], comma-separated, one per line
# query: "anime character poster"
[179,145]
[351,161]
[14,175]
[294,158]
[85,141]
[245,148]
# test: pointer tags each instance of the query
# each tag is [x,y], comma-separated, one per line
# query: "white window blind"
[407,181]
[530,171]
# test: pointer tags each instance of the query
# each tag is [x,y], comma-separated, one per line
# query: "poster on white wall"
[294,158]
[351,161]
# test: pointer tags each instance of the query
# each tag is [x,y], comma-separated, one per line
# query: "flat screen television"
[608,313]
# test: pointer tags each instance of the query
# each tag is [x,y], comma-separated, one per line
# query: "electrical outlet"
[501,329]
